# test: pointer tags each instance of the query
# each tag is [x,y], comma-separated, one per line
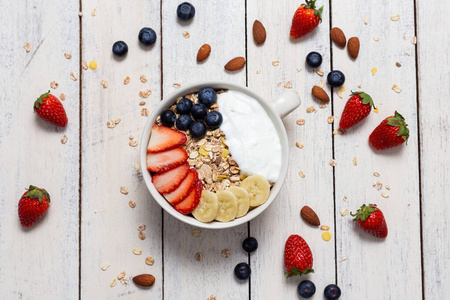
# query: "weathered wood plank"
[433,61]
[109,225]
[43,258]
[394,263]
[282,219]
[222,25]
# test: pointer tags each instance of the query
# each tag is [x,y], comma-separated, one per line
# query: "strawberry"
[163,161]
[168,181]
[164,138]
[356,109]
[371,220]
[305,19]
[392,132]
[183,189]
[33,204]
[298,258]
[50,109]
[192,200]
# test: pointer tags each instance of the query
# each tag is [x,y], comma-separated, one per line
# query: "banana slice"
[208,207]
[227,206]
[242,198]
[258,189]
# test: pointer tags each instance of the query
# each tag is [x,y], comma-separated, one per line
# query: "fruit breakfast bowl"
[216,153]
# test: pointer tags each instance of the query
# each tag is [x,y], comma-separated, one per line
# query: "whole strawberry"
[50,109]
[371,220]
[33,204]
[306,19]
[392,132]
[298,258]
[356,109]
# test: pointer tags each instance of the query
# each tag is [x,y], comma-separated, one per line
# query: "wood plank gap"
[80,141]
[419,150]
[162,97]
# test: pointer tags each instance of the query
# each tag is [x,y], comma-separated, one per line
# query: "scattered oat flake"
[111,124]
[211,297]
[275,63]
[133,143]
[299,145]
[359,85]
[385,195]
[342,89]
[288,85]
[373,70]
[124,281]
[321,106]
[376,38]
[398,64]
[80,14]
[176,85]
[338,131]
[104,83]
[396,88]
[344,258]
[226,253]
[326,236]
[124,190]
[258,71]
[121,275]
[325,227]
[339,94]
[376,174]
[379,185]
[105,267]
[395,18]
[141,235]
[345,198]
[321,83]
[319,72]
[142,103]
[141,227]
[137,251]
[94,12]
[27,47]
[301,174]
[137,167]
[196,232]
[131,137]
[149,260]
[301,122]
[310,109]
[143,78]
[279,83]
[366,19]
[126,80]
[330,120]
[68,55]
[145,93]
[333,163]
[414,40]
[85,65]
[113,283]
[388,187]
[54,85]
[186,34]
[144,112]
[299,70]
[344,212]
[408,53]
[62,97]
[132,204]
[64,139]
[376,109]
[355,161]
[198,256]
[73,76]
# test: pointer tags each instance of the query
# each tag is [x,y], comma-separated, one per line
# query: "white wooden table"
[90,222]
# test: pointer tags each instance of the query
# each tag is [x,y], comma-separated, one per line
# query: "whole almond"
[338,36]
[309,216]
[320,94]
[203,52]
[144,280]
[235,64]
[259,32]
[353,47]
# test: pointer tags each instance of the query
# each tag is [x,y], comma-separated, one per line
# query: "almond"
[144,280]
[259,32]
[320,94]
[309,216]
[353,47]
[235,64]
[338,36]
[203,52]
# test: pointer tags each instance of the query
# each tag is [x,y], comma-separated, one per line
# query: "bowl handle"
[285,103]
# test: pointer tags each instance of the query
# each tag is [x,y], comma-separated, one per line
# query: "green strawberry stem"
[37,193]
[364,212]
[311,4]
[40,100]
[295,272]
[398,121]
[366,98]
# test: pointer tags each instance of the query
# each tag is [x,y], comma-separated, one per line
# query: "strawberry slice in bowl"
[183,190]
[192,200]
[164,138]
[163,161]
[168,181]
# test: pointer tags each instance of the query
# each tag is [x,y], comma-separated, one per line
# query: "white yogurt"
[250,135]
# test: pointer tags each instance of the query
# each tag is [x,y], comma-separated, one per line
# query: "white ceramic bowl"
[277,109]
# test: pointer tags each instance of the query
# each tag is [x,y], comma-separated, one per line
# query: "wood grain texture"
[434,123]
[109,225]
[393,263]
[33,260]
[282,219]
[222,25]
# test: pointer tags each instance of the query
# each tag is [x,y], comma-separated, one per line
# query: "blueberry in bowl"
[184,106]
[214,119]
[183,122]
[168,118]
[199,111]
[207,96]
[197,129]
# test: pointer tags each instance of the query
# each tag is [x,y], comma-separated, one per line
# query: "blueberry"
[336,78]
[207,96]
[184,106]
[185,11]
[183,122]
[147,36]
[314,59]
[214,119]
[199,111]
[242,271]
[197,129]
[120,48]
[168,118]
[250,244]
[332,292]
[306,289]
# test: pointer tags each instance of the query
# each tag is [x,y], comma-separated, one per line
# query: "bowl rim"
[195,87]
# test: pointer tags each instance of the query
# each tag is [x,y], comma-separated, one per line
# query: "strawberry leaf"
[398,121]
[295,272]
[364,212]
[366,99]
[37,193]
[311,4]
[40,100]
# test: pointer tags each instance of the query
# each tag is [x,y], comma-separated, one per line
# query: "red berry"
[50,109]
[183,190]
[164,138]
[33,204]
[298,258]
[392,132]
[371,220]
[306,19]
[192,200]
[356,109]
[163,161]
[168,181]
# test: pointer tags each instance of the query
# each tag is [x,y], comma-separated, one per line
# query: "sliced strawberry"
[164,138]
[183,189]
[166,182]
[163,161]
[192,200]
